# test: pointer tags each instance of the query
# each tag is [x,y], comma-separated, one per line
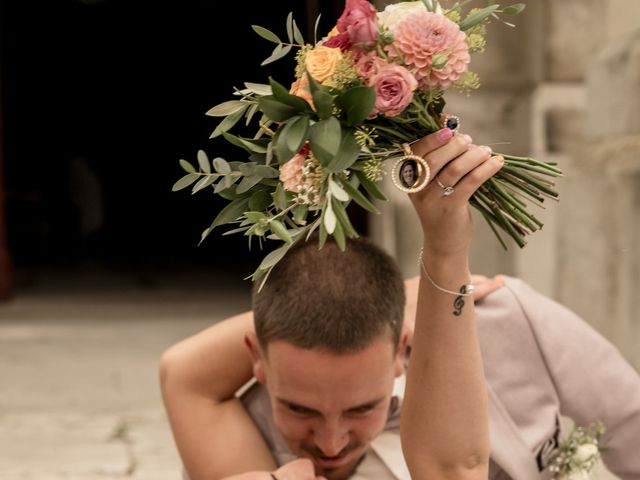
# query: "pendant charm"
[410,173]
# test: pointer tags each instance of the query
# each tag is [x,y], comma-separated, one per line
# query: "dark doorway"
[101,99]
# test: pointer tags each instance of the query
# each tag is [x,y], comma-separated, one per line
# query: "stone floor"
[79,353]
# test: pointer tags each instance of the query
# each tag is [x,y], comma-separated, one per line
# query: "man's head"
[328,346]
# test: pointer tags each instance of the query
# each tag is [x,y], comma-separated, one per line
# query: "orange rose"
[300,88]
[321,62]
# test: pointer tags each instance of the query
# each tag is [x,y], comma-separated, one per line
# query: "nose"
[331,437]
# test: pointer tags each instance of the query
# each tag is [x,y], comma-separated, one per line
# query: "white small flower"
[586,452]
[397,12]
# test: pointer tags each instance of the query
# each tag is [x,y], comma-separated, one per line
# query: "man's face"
[328,407]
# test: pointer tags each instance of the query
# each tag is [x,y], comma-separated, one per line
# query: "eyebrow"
[363,406]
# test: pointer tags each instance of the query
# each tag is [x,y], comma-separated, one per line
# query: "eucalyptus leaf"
[274,257]
[248,168]
[220,165]
[278,52]
[359,197]
[226,108]
[295,133]
[281,231]
[280,197]
[337,191]
[258,88]
[203,183]
[256,217]
[324,139]
[338,235]
[315,30]
[260,200]
[248,183]
[297,35]
[371,187]
[289,23]
[203,161]
[185,181]
[228,122]
[266,172]
[186,166]
[478,17]
[266,34]
[300,214]
[343,219]
[231,212]
[514,9]
[329,217]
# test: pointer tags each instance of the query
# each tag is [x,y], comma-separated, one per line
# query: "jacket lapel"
[508,449]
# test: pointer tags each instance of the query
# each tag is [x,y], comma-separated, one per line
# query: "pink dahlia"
[421,37]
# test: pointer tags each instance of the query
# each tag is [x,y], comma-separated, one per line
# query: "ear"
[400,358]
[257,358]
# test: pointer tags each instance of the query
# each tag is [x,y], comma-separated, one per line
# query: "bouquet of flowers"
[360,96]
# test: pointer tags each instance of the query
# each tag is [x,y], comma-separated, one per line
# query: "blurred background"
[99,265]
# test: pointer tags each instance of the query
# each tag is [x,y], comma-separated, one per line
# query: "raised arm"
[199,377]
[444,422]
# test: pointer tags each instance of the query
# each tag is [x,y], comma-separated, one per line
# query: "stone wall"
[562,86]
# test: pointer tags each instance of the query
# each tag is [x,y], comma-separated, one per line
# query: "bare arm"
[199,377]
[444,422]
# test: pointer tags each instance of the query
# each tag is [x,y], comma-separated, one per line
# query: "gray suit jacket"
[541,361]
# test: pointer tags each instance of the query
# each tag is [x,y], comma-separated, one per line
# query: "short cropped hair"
[329,299]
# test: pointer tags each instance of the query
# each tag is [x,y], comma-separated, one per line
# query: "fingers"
[432,142]
[476,177]
[484,286]
[453,171]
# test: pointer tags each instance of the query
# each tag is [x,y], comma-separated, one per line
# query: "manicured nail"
[487,149]
[445,134]
[467,138]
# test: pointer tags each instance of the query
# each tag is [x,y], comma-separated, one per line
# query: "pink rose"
[394,87]
[359,21]
[368,66]
[291,173]
[341,41]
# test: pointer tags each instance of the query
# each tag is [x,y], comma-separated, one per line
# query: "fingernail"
[445,134]
[487,149]
[467,138]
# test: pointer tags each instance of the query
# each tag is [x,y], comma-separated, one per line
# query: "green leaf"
[357,103]
[371,187]
[266,172]
[347,152]
[187,167]
[203,161]
[359,197]
[220,165]
[260,200]
[258,88]
[322,235]
[276,110]
[325,137]
[278,52]
[231,212]
[343,219]
[338,235]
[297,35]
[282,94]
[514,9]
[185,181]
[280,198]
[228,122]
[266,34]
[315,30]
[274,257]
[203,183]
[322,98]
[247,183]
[329,217]
[281,231]
[337,191]
[290,27]
[226,108]
[247,168]
[478,17]
[300,213]
[256,217]
[292,137]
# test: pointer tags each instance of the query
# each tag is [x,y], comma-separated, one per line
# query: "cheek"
[291,427]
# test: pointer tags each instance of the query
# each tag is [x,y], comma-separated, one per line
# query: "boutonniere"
[578,454]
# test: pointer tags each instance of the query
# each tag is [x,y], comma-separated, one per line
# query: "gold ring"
[446,191]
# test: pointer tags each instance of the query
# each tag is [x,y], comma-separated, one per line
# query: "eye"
[299,410]
[361,410]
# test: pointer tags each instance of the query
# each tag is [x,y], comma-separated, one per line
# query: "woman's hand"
[455,162]
[300,469]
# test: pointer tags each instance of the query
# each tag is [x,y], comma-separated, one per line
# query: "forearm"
[445,428]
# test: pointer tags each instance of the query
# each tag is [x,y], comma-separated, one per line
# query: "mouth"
[325,462]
